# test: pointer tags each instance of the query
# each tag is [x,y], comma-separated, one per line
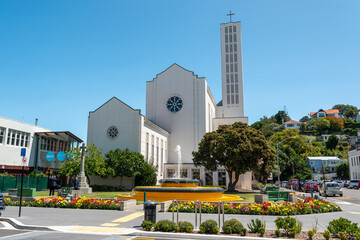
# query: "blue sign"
[70,155]
[50,156]
[23,152]
[61,156]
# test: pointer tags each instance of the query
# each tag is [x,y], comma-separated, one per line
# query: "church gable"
[177,70]
[114,104]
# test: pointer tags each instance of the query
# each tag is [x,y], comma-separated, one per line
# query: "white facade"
[354,164]
[292,124]
[15,135]
[180,109]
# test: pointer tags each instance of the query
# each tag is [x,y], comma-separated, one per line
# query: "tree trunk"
[231,185]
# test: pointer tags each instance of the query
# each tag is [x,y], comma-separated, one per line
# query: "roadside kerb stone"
[127,205]
[18,225]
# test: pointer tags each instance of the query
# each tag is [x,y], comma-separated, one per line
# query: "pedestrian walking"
[76,184]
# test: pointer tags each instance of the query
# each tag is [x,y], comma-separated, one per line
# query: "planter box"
[261,198]
[13,192]
[27,192]
[128,205]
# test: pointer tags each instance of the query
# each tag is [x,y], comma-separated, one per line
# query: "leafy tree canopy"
[332,142]
[304,119]
[94,163]
[281,117]
[342,170]
[336,123]
[239,148]
[318,124]
[346,110]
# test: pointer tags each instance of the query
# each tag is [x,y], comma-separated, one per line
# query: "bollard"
[177,211]
[312,193]
[221,203]
[196,206]
[144,200]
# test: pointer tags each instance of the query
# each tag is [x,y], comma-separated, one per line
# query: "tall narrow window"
[230,29]
[230,37]
[234,37]
[231,48]
[235,66]
[147,148]
[226,48]
[226,29]
[2,135]
[235,47]
[236,77]
[231,58]
[227,78]
[232,88]
[152,150]
[227,68]
[232,99]
[227,89]
[227,57]
[234,28]
[235,57]
[232,78]
[226,38]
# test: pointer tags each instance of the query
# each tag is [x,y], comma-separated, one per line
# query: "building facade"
[292,124]
[37,141]
[318,164]
[354,164]
[325,113]
[180,109]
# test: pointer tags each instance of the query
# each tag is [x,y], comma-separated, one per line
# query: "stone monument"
[83,186]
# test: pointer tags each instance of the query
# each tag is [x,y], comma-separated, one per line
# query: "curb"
[192,236]
[18,225]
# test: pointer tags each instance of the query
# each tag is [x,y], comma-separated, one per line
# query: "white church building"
[180,109]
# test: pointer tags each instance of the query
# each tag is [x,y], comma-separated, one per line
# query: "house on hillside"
[317,164]
[292,124]
[325,113]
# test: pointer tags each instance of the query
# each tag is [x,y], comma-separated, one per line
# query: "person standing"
[76,184]
[52,185]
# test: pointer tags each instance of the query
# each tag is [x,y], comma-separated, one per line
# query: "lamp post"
[278,162]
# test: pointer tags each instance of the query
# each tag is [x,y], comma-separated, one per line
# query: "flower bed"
[307,206]
[60,202]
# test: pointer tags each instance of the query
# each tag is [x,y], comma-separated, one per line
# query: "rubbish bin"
[150,211]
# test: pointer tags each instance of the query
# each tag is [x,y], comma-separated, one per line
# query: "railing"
[221,203]
[177,211]
[196,207]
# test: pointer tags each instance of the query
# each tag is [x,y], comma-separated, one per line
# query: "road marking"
[129,217]
[137,238]
[109,225]
[355,212]
[97,229]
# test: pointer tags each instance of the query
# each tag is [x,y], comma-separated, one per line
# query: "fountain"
[178,151]
[181,189]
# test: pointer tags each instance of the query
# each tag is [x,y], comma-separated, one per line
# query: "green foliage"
[310,234]
[326,235]
[304,119]
[292,233]
[36,174]
[332,142]
[318,124]
[106,188]
[209,226]
[257,226]
[185,227]
[277,233]
[342,236]
[238,148]
[147,176]
[281,117]
[343,225]
[147,225]
[94,163]
[258,125]
[342,170]
[233,226]
[288,224]
[124,163]
[165,226]
[336,123]
[346,110]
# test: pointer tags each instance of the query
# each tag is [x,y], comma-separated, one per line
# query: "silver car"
[330,189]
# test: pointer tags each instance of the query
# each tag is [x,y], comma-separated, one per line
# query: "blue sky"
[61,59]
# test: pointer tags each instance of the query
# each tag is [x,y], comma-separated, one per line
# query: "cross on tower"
[230,14]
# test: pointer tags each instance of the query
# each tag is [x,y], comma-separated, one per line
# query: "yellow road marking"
[129,217]
[109,225]
[97,229]
[355,212]
[138,238]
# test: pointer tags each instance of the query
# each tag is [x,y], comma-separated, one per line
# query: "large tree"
[281,117]
[342,170]
[239,148]
[94,163]
[346,110]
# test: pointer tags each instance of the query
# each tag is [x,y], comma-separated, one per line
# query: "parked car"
[330,189]
[354,184]
[340,182]
[284,184]
[308,186]
[346,183]
[2,203]
[293,184]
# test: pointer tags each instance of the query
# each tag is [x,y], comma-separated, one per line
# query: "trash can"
[150,211]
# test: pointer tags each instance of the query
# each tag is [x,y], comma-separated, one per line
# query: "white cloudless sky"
[61,59]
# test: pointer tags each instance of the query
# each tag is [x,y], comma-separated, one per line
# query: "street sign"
[50,156]
[24,160]
[61,156]
[23,152]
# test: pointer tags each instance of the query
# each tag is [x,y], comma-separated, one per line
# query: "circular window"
[174,104]
[112,132]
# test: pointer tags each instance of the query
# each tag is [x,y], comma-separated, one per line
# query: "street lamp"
[278,163]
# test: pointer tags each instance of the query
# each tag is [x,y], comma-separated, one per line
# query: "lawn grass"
[246,197]
[103,194]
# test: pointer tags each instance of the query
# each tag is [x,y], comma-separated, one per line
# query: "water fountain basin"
[181,190]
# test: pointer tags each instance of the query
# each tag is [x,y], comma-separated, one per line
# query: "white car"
[330,189]
[354,184]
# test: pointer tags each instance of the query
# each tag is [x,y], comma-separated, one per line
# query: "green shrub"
[165,226]
[262,231]
[105,188]
[209,226]
[342,236]
[292,233]
[256,225]
[285,223]
[310,234]
[233,226]
[326,235]
[147,225]
[277,233]
[185,227]
[343,225]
